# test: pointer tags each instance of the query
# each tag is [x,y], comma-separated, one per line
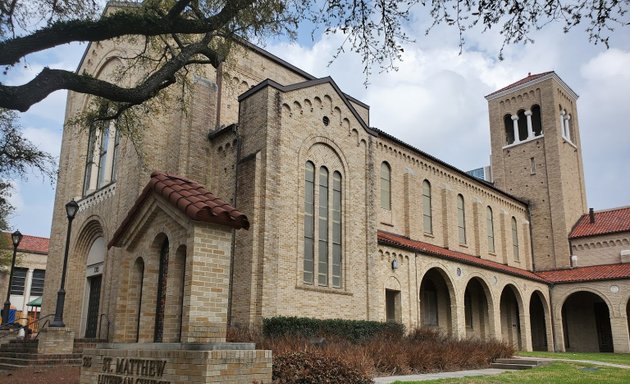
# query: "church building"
[260,190]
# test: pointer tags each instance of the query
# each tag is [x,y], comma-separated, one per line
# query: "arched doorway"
[510,317]
[537,321]
[476,309]
[586,323]
[92,292]
[435,301]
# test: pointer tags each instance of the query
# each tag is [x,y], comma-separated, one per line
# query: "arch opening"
[538,323]
[510,317]
[435,302]
[476,310]
[586,323]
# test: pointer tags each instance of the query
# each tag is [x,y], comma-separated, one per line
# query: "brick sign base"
[175,363]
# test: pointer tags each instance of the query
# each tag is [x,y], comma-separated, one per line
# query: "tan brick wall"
[597,250]
[410,169]
[173,141]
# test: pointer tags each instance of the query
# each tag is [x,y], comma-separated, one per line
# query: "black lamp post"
[71,210]
[16,237]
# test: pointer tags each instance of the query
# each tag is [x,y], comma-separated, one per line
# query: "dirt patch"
[42,375]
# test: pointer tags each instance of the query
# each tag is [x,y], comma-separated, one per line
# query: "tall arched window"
[160,305]
[336,230]
[136,294]
[427,216]
[536,120]
[522,125]
[386,186]
[309,221]
[101,157]
[325,240]
[461,219]
[509,129]
[515,238]
[490,225]
[322,270]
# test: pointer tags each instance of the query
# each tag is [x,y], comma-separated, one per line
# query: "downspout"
[531,237]
[233,246]
[219,81]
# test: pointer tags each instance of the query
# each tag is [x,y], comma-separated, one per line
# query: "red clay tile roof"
[420,246]
[609,221]
[592,273]
[30,244]
[522,81]
[191,198]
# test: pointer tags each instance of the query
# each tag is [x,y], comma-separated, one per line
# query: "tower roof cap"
[528,81]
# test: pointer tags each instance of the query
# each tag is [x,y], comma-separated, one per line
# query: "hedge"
[353,330]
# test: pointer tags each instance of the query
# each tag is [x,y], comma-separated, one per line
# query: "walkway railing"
[30,328]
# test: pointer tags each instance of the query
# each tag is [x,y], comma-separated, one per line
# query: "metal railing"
[15,327]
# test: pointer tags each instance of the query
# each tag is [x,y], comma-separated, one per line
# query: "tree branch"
[22,97]
[122,23]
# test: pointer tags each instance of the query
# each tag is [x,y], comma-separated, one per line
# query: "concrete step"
[9,367]
[36,356]
[531,362]
[12,363]
[515,364]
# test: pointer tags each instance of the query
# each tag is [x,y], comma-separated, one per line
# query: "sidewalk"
[439,375]
[484,372]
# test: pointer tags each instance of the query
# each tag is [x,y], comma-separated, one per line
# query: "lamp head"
[71,209]
[16,237]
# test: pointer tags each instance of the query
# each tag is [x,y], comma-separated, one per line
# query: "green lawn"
[560,372]
[615,358]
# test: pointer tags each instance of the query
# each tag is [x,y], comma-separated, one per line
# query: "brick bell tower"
[537,157]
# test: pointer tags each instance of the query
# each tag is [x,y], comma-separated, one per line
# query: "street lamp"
[16,237]
[71,210]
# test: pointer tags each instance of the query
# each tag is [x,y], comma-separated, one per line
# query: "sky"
[434,101]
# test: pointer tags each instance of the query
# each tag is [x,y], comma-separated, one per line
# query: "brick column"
[621,339]
[206,319]
[27,293]
[526,328]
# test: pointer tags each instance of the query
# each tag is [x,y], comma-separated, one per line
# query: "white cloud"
[47,139]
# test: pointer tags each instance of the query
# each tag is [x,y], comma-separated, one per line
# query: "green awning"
[35,302]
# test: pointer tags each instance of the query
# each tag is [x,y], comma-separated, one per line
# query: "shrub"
[353,330]
[380,354]
[314,368]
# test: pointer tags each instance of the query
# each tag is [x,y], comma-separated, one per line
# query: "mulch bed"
[41,375]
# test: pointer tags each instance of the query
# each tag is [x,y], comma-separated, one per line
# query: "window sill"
[515,144]
[564,139]
[312,288]
[387,224]
[426,234]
